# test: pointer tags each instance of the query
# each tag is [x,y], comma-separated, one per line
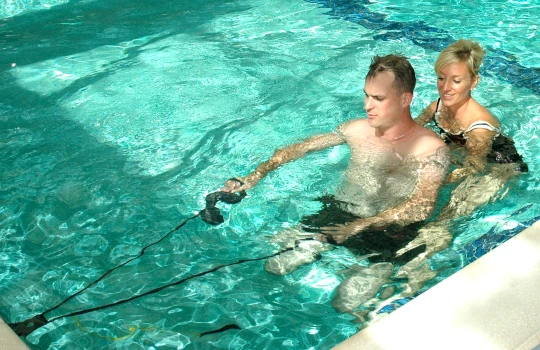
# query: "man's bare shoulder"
[426,143]
[355,127]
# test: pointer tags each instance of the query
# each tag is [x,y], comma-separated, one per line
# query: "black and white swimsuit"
[503,149]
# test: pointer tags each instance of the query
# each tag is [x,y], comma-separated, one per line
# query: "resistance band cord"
[209,214]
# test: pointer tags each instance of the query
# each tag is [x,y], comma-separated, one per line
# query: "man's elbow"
[424,212]
[424,216]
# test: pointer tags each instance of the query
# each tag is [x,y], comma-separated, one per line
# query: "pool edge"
[9,340]
[500,315]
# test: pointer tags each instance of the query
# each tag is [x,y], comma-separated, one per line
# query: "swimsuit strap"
[438,108]
[436,115]
[482,125]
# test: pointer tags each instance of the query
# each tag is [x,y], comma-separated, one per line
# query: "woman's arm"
[427,115]
[478,146]
[418,207]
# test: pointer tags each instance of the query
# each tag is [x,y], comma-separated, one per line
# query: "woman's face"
[455,83]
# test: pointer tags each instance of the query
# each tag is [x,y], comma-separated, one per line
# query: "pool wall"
[492,303]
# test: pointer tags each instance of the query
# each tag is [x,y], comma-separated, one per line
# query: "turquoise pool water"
[118,117]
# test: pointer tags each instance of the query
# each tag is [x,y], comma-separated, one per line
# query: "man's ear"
[406,99]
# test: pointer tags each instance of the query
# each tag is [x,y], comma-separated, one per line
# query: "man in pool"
[391,184]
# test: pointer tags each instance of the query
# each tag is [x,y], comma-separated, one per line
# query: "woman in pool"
[485,159]
[461,121]
[472,132]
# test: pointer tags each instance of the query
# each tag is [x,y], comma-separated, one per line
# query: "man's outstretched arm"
[285,155]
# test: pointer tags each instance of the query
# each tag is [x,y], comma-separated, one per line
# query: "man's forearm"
[293,152]
[279,158]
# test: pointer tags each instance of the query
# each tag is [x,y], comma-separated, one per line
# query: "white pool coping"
[493,303]
[9,340]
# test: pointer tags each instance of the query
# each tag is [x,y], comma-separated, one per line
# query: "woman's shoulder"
[432,107]
[479,113]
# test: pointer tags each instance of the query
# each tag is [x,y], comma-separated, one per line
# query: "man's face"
[382,103]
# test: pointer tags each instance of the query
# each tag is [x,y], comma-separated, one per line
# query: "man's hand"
[340,233]
[236,184]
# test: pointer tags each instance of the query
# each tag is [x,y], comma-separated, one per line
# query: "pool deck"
[492,303]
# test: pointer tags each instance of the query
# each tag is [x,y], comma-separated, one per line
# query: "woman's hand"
[457,175]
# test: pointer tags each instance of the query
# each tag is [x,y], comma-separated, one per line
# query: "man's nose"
[367,104]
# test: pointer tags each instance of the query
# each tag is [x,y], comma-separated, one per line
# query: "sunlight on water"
[11,8]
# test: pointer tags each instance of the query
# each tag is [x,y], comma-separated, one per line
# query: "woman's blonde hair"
[462,51]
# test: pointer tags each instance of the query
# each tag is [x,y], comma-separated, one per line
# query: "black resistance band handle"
[211,215]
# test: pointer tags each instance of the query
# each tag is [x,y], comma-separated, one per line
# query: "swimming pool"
[119,117]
